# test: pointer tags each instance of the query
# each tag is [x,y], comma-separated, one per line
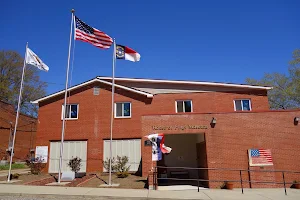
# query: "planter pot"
[80,174]
[229,186]
[297,185]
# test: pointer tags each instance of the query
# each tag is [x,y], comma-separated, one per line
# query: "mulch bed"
[90,180]
[74,183]
[27,178]
[78,181]
[41,182]
[130,182]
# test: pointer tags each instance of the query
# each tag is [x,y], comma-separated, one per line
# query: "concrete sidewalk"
[19,171]
[209,194]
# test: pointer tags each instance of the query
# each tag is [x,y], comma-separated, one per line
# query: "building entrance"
[188,152]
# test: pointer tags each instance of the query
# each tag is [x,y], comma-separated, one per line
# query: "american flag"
[260,157]
[91,35]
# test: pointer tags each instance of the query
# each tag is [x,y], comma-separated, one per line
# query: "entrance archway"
[188,151]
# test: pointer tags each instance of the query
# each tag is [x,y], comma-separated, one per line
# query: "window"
[123,110]
[96,90]
[184,106]
[71,111]
[242,105]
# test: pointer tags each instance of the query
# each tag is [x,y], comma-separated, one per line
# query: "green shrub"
[121,168]
[106,164]
[118,165]
[35,166]
[15,176]
[75,164]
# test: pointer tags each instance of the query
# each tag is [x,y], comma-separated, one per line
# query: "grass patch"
[13,166]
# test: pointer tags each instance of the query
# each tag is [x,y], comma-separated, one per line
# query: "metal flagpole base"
[110,185]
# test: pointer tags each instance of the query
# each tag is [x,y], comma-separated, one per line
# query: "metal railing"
[241,181]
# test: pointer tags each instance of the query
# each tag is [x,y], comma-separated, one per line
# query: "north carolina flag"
[123,52]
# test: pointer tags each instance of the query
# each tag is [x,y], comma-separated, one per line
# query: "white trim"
[184,105]
[250,106]
[67,118]
[115,107]
[91,81]
[234,106]
[188,82]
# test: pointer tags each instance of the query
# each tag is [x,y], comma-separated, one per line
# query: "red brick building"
[25,136]
[206,124]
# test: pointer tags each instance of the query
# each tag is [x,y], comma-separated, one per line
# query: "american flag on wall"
[260,157]
[91,35]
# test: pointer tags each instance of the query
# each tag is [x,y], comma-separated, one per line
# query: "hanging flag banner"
[158,146]
[260,157]
[33,60]
[126,53]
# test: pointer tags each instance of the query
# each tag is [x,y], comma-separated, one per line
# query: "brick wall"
[93,123]
[234,133]
[25,136]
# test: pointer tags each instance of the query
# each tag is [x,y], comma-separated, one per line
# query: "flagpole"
[112,110]
[17,116]
[65,101]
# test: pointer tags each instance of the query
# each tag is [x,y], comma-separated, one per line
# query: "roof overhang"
[189,82]
[148,95]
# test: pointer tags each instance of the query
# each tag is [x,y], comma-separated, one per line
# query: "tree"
[11,66]
[294,71]
[286,88]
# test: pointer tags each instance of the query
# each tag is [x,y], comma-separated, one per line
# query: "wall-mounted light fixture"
[213,122]
[296,120]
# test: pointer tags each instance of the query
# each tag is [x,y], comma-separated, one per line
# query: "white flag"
[33,60]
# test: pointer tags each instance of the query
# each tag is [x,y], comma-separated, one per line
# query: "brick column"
[148,166]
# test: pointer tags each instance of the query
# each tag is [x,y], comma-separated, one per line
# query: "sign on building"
[41,153]
[260,157]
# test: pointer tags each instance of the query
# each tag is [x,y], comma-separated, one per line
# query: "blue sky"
[220,41]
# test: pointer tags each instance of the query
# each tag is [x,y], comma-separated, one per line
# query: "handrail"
[224,169]
[229,169]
